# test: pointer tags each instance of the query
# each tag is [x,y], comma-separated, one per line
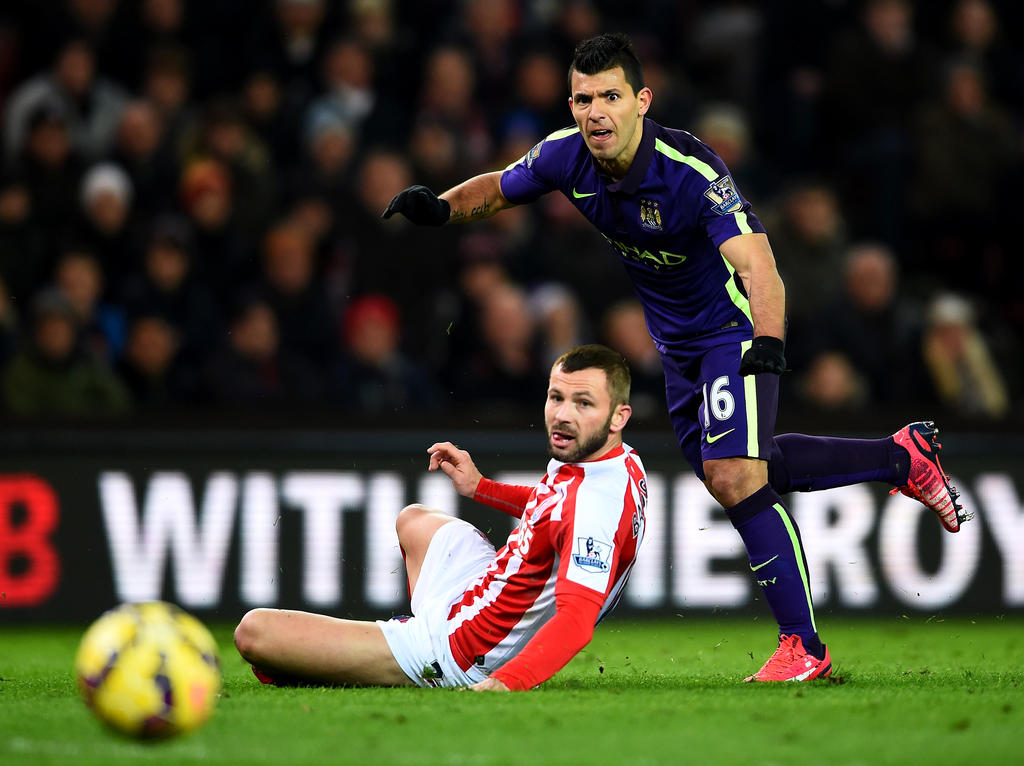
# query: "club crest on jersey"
[723,195]
[593,555]
[533,154]
[650,215]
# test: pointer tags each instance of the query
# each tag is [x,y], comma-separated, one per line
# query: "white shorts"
[458,555]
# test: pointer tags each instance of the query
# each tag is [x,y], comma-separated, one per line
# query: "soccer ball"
[149,670]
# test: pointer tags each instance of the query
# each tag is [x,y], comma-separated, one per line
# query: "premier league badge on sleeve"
[593,555]
[724,197]
[533,154]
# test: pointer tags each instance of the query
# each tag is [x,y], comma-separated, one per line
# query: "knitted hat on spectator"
[106,177]
[368,308]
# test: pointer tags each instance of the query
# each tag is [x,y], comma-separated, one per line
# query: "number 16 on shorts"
[738,415]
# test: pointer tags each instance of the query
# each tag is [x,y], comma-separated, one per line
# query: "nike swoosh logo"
[712,439]
[759,566]
[577,195]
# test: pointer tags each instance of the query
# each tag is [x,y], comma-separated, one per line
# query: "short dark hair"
[604,52]
[594,355]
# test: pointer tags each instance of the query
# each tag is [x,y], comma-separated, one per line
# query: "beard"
[581,450]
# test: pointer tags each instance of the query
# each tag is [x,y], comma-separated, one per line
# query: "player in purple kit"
[702,266]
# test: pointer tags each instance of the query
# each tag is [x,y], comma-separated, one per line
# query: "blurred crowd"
[190,199]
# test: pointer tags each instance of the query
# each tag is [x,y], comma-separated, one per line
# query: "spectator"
[167,84]
[327,168]
[106,204]
[142,152]
[869,113]
[23,260]
[101,325]
[290,42]
[223,254]
[349,96]
[725,128]
[540,96]
[977,36]
[51,171]
[508,368]
[91,104]
[253,371]
[223,136]
[304,317]
[149,366]
[447,96]
[967,149]
[262,106]
[53,376]
[373,376]
[167,286]
[831,383]
[559,320]
[810,242]
[875,326]
[397,260]
[960,365]
[145,26]
[488,31]
[624,329]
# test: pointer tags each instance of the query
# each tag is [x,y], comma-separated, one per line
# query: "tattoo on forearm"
[458,214]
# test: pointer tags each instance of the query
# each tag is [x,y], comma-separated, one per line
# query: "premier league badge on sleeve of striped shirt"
[723,195]
[593,555]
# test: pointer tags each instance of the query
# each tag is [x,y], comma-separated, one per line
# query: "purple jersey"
[666,219]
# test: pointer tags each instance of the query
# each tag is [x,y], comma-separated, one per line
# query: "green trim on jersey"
[798,554]
[709,173]
[563,133]
[739,299]
[750,402]
[741,223]
[558,135]
[674,154]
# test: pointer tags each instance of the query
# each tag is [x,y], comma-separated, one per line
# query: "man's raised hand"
[457,465]
[419,205]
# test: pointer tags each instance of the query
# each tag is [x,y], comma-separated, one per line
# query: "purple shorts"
[715,412]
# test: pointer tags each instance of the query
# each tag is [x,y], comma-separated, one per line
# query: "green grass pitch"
[907,690]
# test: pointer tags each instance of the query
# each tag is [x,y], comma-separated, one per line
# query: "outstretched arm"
[479,197]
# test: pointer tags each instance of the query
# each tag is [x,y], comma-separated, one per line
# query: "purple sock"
[777,560]
[801,463]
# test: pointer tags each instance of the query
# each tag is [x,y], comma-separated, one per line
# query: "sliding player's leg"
[289,646]
[416,526]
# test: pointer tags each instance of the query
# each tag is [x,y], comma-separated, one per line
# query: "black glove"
[419,205]
[764,355]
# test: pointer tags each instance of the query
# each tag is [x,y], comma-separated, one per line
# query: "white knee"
[408,517]
[250,633]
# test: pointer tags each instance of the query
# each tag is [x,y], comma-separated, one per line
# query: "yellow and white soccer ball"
[149,670]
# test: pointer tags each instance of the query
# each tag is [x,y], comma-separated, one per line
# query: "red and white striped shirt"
[560,572]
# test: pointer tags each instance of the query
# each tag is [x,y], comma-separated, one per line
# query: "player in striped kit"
[493,620]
